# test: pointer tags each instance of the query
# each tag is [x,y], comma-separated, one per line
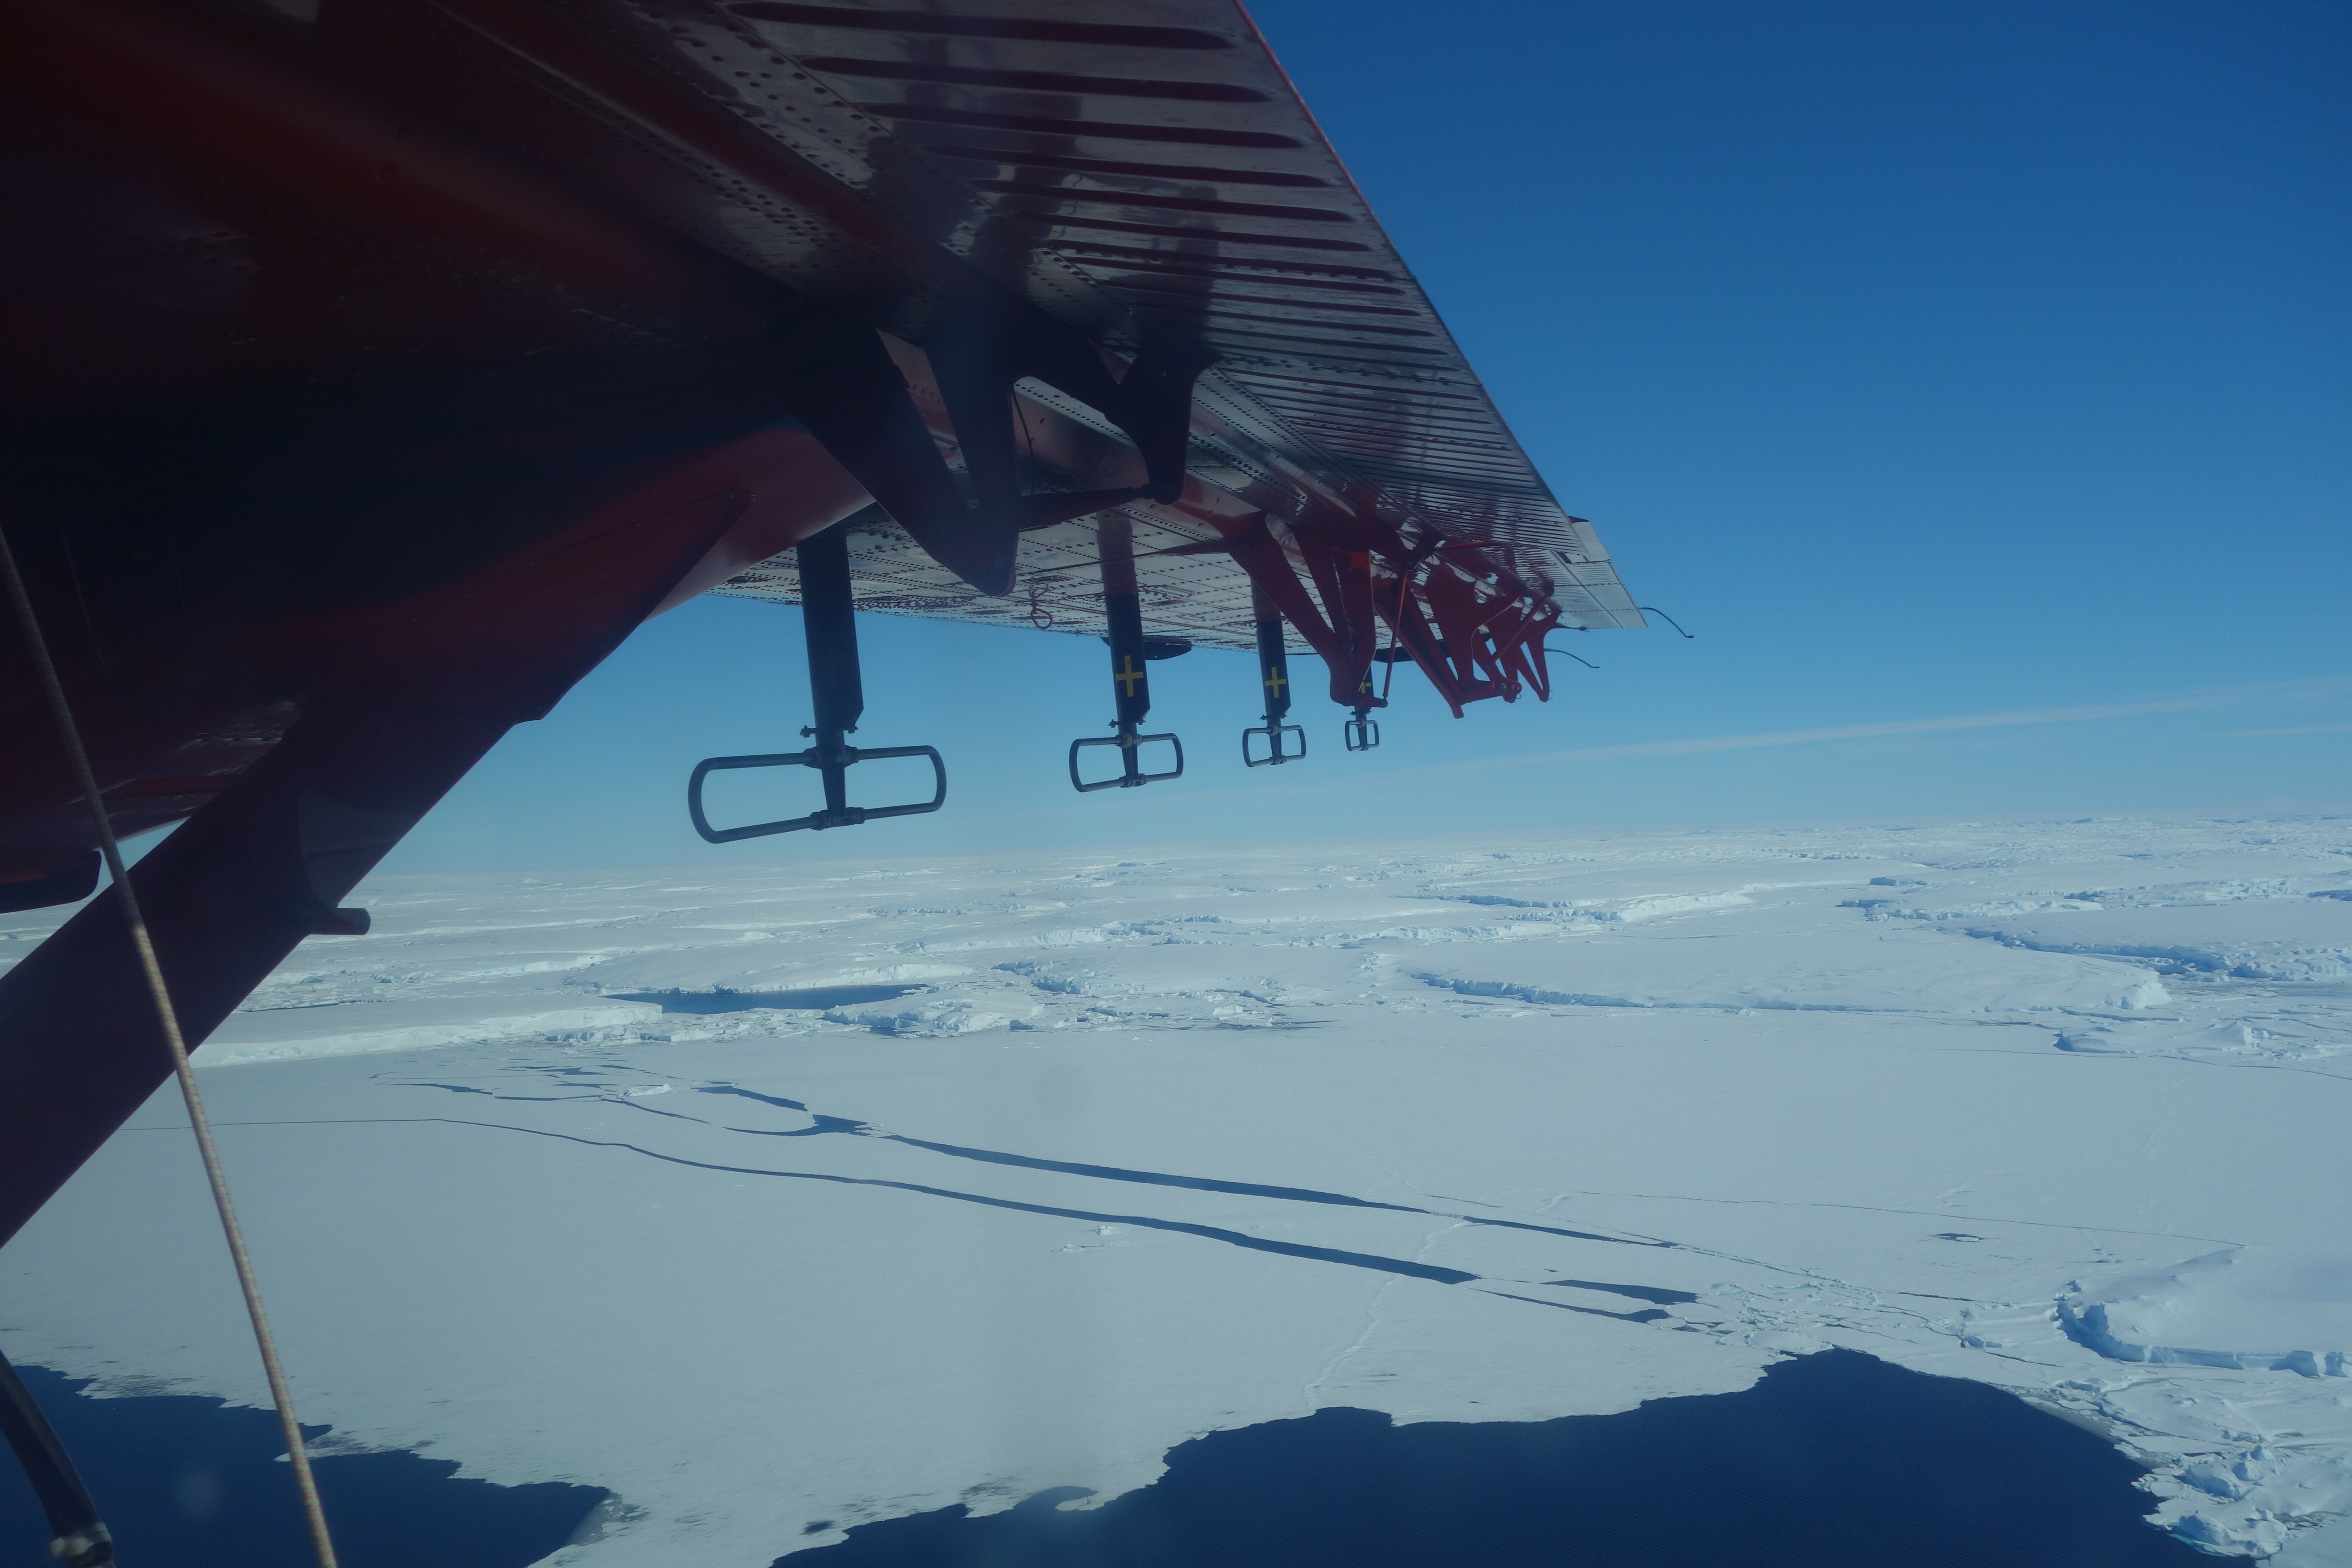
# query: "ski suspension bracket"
[828,616]
[832,761]
[1274,662]
[1129,660]
[1130,771]
[834,376]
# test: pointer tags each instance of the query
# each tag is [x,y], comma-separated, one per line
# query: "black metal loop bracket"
[1276,748]
[1362,734]
[832,761]
[1130,771]
[80,1536]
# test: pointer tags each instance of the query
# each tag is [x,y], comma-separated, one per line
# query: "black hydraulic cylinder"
[1125,611]
[1274,685]
[829,619]
[1274,662]
[1131,685]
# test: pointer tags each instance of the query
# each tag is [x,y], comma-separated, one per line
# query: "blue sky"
[1975,381]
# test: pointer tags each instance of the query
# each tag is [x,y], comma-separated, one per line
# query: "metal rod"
[1123,615]
[836,692]
[62,711]
[1396,631]
[80,1538]
[829,622]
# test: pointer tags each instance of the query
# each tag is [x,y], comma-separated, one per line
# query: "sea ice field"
[780,1197]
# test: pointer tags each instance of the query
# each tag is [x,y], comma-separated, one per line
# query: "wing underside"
[1155,179]
[378,365]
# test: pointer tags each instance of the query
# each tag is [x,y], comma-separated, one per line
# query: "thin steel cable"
[320,1542]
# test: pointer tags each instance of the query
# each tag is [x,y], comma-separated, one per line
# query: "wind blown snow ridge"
[2236,1292]
[1143,1149]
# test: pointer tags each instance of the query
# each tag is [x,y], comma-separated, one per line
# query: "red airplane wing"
[377,365]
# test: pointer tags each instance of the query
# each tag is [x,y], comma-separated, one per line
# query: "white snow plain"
[1196,1139]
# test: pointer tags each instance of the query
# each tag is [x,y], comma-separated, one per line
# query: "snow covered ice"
[1154,1146]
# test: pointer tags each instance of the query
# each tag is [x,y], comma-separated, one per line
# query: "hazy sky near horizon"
[1975,381]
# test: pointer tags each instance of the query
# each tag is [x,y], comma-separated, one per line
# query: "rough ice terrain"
[1150,1147]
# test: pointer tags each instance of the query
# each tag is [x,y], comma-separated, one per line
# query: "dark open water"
[1835,1461]
[187,1482]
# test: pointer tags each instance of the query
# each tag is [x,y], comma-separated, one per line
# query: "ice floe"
[1480,1130]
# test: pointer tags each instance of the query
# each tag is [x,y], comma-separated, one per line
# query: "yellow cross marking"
[1273,681]
[1128,675]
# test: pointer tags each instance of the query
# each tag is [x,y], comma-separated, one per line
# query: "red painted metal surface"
[229,894]
[377,365]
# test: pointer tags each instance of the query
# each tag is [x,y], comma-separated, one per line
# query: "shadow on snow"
[813,999]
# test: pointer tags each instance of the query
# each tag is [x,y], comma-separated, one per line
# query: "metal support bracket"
[838,380]
[1129,658]
[1131,771]
[1276,747]
[833,763]
[1274,660]
[837,693]
[1363,732]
